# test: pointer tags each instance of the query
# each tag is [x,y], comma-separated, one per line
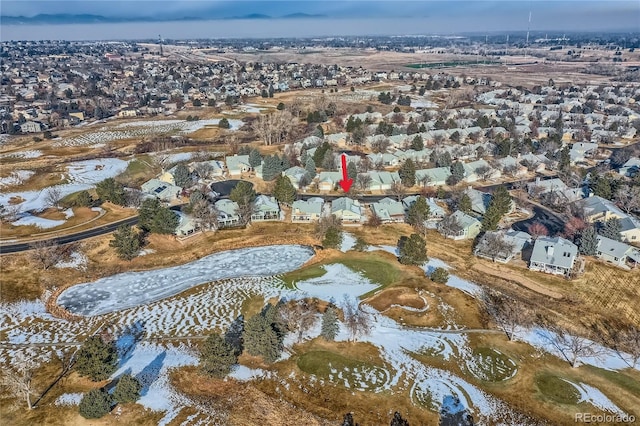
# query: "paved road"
[78,236]
[553,222]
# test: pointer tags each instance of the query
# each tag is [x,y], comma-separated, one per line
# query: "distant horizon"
[78,20]
[261,29]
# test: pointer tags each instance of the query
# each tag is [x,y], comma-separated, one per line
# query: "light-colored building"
[500,246]
[388,210]
[433,177]
[237,164]
[347,210]
[164,191]
[553,255]
[459,226]
[266,208]
[307,211]
[617,253]
[227,213]
[327,181]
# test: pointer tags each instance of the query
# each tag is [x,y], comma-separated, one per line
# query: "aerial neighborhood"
[316,230]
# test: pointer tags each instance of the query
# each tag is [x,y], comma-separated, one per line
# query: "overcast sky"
[447,16]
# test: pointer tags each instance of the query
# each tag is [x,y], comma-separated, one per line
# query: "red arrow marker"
[345,183]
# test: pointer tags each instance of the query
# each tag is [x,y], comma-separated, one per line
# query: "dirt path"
[507,274]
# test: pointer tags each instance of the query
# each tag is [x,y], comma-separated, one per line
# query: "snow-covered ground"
[337,282]
[39,222]
[596,398]
[215,305]
[27,154]
[139,129]
[17,177]
[80,175]
[138,288]
[348,242]
[76,260]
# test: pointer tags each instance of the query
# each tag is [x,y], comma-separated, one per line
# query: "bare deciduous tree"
[299,316]
[203,169]
[494,245]
[509,314]
[46,253]
[17,377]
[570,346]
[355,319]
[274,128]
[628,198]
[205,214]
[53,196]
[397,190]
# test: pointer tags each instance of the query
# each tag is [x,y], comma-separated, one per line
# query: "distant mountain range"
[65,18]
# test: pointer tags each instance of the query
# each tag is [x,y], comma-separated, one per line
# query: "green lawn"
[490,365]
[370,265]
[341,370]
[618,378]
[137,172]
[556,389]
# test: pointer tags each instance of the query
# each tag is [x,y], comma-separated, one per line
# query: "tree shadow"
[454,413]
[150,373]
[128,339]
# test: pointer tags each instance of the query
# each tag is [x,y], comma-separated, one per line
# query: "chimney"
[550,250]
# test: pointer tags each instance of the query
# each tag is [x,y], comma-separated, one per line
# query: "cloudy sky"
[441,16]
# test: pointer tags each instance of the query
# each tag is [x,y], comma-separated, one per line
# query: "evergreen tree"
[457,173]
[310,167]
[611,229]
[233,336]
[95,404]
[126,242]
[261,337]
[255,159]
[413,250]
[127,389]
[284,191]
[408,173]
[565,159]
[352,170]
[181,176]
[96,359]
[330,326]
[417,143]
[224,124]
[501,199]
[439,275]
[319,154]
[272,167]
[83,199]
[419,212]
[332,238]
[111,190]
[328,161]
[243,193]
[464,204]
[397,420]
[154,217]
[217,356]
[587,241]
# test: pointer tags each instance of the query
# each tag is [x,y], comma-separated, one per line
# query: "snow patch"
[348,242]
[69,399]
[17,177]
[39,222]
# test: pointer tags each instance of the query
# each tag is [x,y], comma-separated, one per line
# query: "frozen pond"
[131,289]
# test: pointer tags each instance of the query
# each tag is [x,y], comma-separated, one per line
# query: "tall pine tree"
[408,173]
[588,241]
[330,326]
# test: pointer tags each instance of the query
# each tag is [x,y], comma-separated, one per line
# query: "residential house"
[186,225]
[580,151]
[533,162]
[630,229]
[31,127]
[327,181]
[164,191]
[337,139]
[307,211]
[384,158]
[237,164]
[473,169]
[547,185]
[347,210]
[382,180]
[479,200]
[631,167]
[620,254]
[436,212]
[553,255]
[227,213]
[510,165]
[598,209]
[514,243]
[296,175]
[459,226]
[266,208]
[388,210]
[169,175]
[215,168]
[433,177]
